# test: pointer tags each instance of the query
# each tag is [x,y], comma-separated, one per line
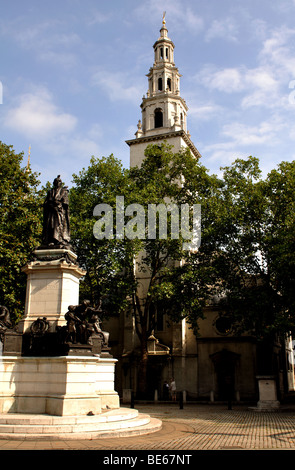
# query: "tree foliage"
[20,226]
[107,262]
[249,252]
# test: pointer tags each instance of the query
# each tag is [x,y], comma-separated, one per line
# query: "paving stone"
[195,427]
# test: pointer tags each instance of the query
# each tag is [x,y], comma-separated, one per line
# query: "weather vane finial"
[164,14]
[29,155]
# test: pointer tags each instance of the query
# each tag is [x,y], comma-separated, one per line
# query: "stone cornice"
[164,136]
[164,95]
[163,39]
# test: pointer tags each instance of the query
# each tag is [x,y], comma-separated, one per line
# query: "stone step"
[115,423]
[121,414]
[73,428]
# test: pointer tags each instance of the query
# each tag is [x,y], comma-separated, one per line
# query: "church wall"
[245,371]
[191,341]
[212,342]
[190,361]
[137,150]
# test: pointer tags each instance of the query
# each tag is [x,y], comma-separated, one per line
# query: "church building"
[204,367]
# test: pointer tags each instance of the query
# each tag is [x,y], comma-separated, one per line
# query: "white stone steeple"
[163,110]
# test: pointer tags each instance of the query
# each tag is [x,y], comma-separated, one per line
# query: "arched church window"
[161,53]
[160,84]
[158,117]
[169,83]
[166,52]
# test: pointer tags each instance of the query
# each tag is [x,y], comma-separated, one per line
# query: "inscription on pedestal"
[12,344]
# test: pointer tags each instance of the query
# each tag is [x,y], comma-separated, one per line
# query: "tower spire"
[163,110]
[29,156]
[164,30]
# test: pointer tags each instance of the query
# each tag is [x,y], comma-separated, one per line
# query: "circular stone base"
[121,422]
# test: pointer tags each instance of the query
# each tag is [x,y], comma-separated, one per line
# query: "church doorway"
[225,373]
[225,368]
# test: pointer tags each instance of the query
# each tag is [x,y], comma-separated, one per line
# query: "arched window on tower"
[158,117]
[169,84]
[160,84]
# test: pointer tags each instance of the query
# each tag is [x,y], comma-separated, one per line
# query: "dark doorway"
[226,380]
[225,364]
[153,379]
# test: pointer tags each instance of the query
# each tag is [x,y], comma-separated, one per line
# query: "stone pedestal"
[267,394]
[52,285]
[61,386]
[41,372]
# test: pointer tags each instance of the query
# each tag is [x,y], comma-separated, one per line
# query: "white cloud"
[225,29]
[48,40]
[240,139]
[97,17]
[244,134]
[227,80]
[264,85]
[74,147]
[179,16]
[258,87]
[36,116]
[119,86]
[96,131]
[204,112]
[277,50]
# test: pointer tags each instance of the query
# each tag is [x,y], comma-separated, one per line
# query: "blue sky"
[73,74]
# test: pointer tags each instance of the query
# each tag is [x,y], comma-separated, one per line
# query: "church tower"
[164,111]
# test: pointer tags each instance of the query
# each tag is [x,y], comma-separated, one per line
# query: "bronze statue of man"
[56,223]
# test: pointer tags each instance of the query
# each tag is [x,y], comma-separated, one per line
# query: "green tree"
[174,284]
[280,241]
[245,261]
[163,176]
[248,253]
[106,261]
[20,226]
